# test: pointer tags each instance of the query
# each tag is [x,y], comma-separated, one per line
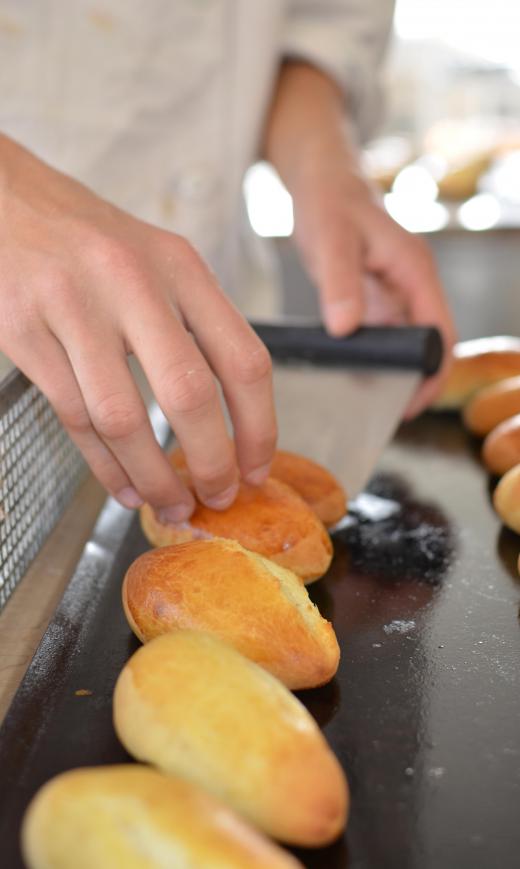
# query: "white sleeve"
[347,40]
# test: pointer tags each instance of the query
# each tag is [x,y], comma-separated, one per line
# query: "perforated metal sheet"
[40,468]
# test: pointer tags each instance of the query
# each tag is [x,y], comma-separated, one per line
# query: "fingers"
[382,305]
[342,247]
[242,364]
[58,383]
[185,389]
[119,418]
[427,306]
[335,256]
[340,284]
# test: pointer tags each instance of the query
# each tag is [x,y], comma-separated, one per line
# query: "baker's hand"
[82,285]
[366,267]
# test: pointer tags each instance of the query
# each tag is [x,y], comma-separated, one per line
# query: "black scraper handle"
[411,347]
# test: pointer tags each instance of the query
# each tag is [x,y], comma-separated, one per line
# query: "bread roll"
[270,519]
[132,817]
[492,405]
[477,364]
[249,602]
[506,499]
[317,486]
[501,449]
[194,706]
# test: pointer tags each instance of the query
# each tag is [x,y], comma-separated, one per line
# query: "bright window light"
[504,178]
[415,182]
[480,212]
[417,215]
[486,29]
[269,205]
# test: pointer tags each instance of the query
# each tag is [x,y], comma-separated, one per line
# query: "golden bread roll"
[317,486]
[501,448]
[251,603]
[194,706]
[477,364]
[132,817]
[270,519]
[506,499]
[492,405]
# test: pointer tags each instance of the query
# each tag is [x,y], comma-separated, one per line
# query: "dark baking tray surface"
[425,711]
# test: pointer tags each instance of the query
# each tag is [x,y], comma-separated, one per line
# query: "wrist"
[329,184]
[323,160]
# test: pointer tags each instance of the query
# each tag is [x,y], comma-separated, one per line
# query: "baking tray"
[424,713]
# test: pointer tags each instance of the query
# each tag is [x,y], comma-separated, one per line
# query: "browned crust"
[506,499]
[129,608]
[270,519]
[501,449]
[313,483]
[317,486]
[218,587]
[477,364]
[492,406]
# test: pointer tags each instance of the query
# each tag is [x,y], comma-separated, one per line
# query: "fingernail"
[174,514]
[259,475]
[129,498]
[338,316]
[223,499]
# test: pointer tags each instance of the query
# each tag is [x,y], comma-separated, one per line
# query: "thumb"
[338,273]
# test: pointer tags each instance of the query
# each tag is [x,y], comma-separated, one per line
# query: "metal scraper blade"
[342,418]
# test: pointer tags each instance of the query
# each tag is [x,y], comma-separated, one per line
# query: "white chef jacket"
[158,105]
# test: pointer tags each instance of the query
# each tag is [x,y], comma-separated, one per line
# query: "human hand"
[366,267]
[82,285]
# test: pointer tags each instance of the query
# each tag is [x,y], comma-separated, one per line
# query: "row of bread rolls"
[193,706]
[230,749]
[198,703]
[477,364]
[485,384]
[320,490]
[279,519]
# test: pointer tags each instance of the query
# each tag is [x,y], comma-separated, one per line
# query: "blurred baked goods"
[479,363]
[492,405]
[461,180]
[506,499]
[501,449]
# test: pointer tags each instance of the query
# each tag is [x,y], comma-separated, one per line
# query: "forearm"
[307,135]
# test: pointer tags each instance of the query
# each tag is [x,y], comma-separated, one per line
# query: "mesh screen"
[40,468]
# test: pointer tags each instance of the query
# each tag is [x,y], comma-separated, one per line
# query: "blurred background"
[446,158]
